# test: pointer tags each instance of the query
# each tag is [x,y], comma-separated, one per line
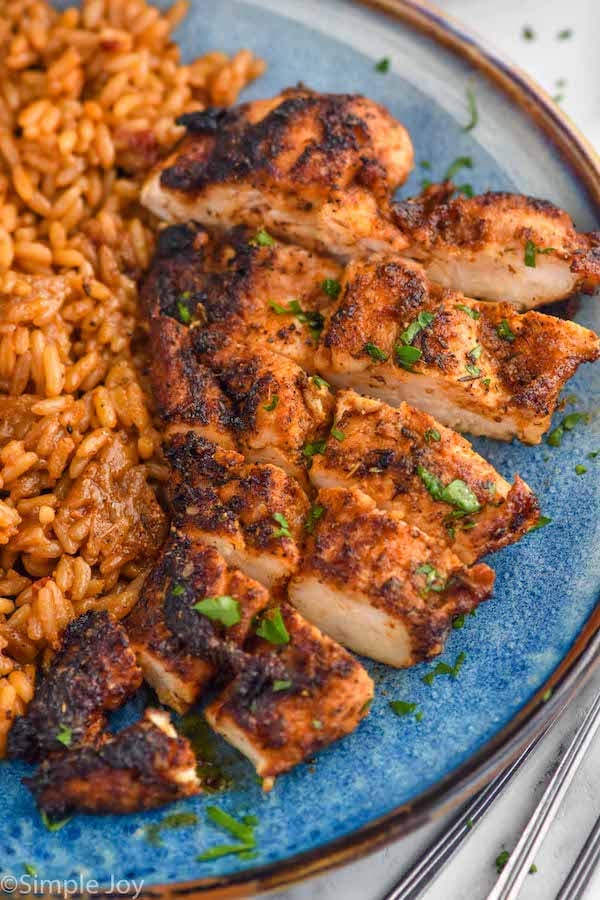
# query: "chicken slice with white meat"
[296,693]
[499,246]
[427,474]
[252,514]
[315,169]
[188,572]
[379,586]
[476,366]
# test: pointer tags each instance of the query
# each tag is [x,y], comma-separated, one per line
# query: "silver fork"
[511,880]
[580,875]
[429,866]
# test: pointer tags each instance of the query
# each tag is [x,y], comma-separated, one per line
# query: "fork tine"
[580,875]
[511,880]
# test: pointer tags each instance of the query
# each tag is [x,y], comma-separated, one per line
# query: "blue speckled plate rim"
[583,656]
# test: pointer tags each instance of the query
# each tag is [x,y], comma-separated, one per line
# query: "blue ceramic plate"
[539,628]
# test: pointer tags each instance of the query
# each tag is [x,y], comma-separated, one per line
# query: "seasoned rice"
[88,99]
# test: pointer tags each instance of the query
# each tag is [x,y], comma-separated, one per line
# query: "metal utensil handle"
[584,867]
[420,876]
[511,880]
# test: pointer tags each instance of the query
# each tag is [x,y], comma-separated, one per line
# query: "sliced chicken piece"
[179,648]
[144,766]
[253,514]
[499,246]
[272,296]
[292,698]
[379,586]
[316,169]
[400,457]
[188,395]
[279,409]
[475,366]
[93,673]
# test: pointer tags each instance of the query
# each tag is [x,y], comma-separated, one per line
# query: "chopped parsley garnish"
[223,609]
[284,529]
[475,353]
[474,371]
[223,820]
[272,627]
[320,382]
[402,708]
[314,514]
[443,668]
[316,723]
[459,622]
[425,183]
[422,321]
[546,695]
[532,251]
[383,65]
[432,434]
[568,424]
[314,448]
[65,736]
[331,287]
[338,434]
[565,34]
[461,162]
[466,189]
[30,870]
[469,823]
[533,869]
[243,831]
[541,522]
[528,33]
[375,352]
[262,239]
[407,356]
[434,581]
[313,319]
[174,820]
[183,313]
[472,104]
[501,860]
[272,404]
[53,825]
[593,454]
[281,685]
[178,590]
[225,850]
[473,313]
[456,493]
[425,164]
[580,470]
[504,331]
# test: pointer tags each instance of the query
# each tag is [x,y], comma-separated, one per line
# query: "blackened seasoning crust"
[145,766]
[94,672]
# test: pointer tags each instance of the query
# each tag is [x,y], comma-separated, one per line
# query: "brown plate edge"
[584,655]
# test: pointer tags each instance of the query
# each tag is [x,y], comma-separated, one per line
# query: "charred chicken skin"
[144,766]
[499,246]
[477,367]
[93,673]
[179,649]
[406,461]
[379,586]
[317,169]
[289,701]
